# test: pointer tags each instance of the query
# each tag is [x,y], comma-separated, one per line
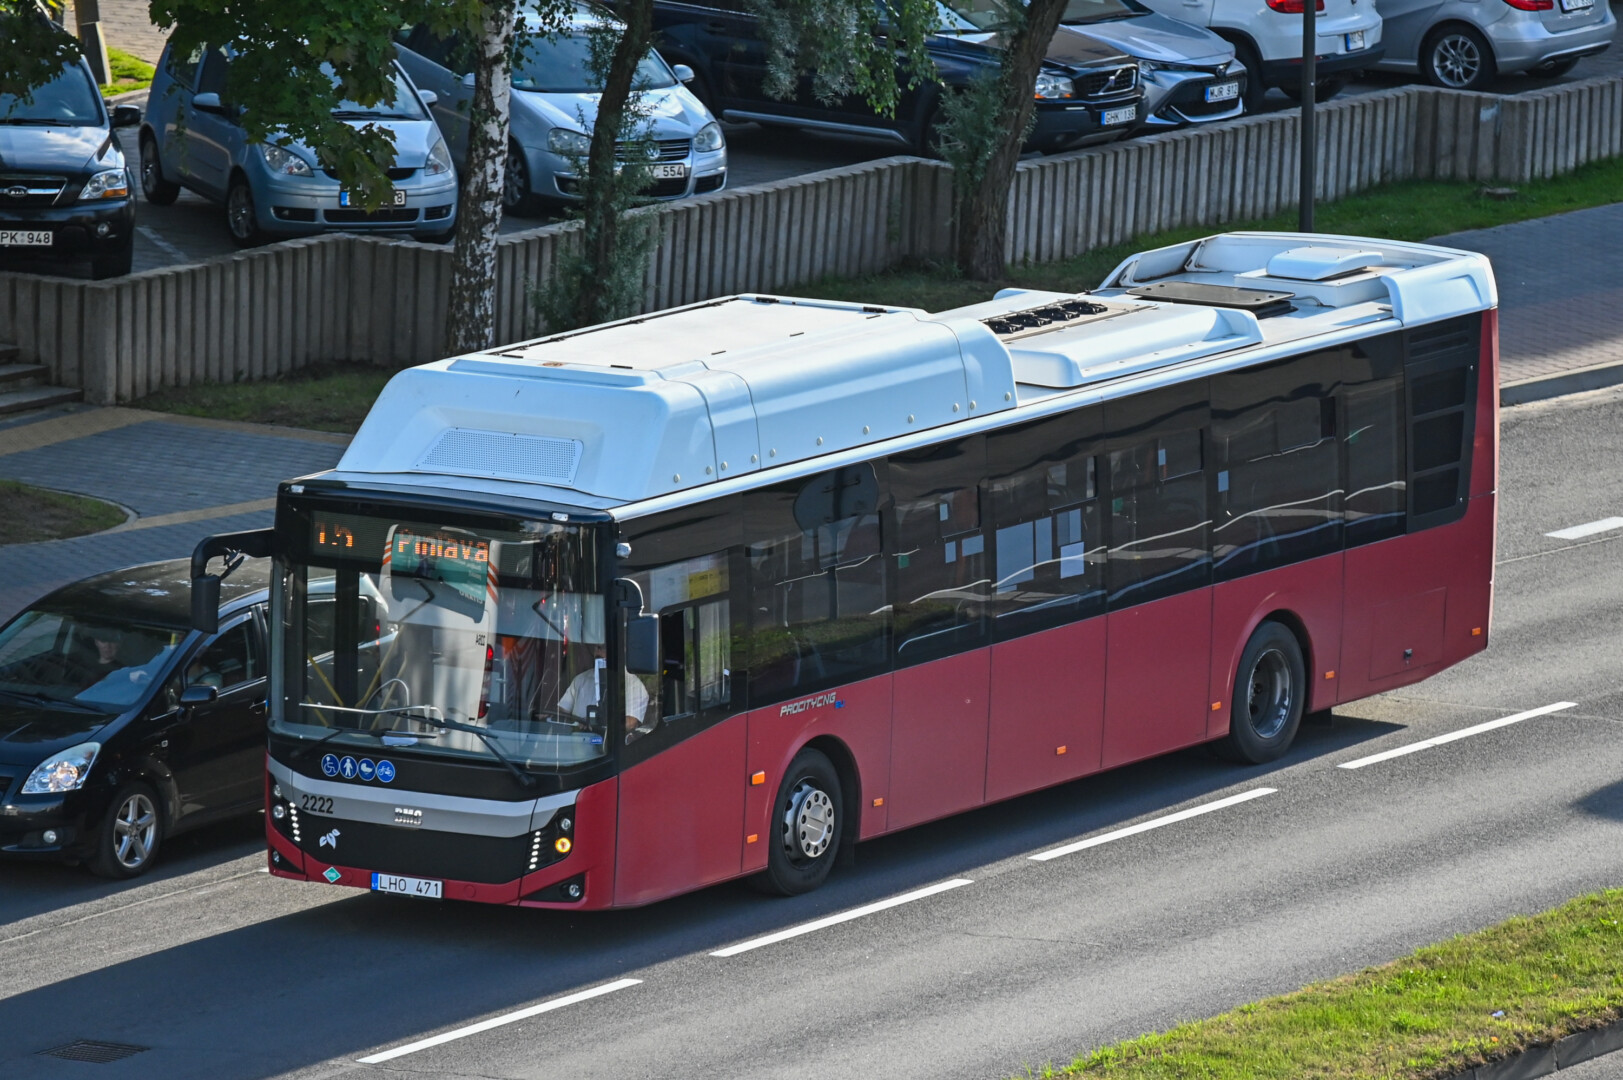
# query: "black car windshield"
[69,99]
[562,65]
[400,104]
[1082,12]
[84,658]
[984,16]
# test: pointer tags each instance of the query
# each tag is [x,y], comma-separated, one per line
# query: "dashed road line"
[1452,736]
[1578,532]
[844,916]
[498,1021]
[1156,823]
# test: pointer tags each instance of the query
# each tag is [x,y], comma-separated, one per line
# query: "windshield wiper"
[362,114]
[525,779]
[42,121]
[48,700]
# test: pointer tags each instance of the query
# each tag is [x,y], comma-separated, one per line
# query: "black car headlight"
[66,771]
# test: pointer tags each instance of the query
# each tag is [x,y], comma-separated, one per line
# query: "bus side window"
[943,575]
[696,658]
[1277,464]
[1157,492]
[1374,440]
[818,615]
[1043,496]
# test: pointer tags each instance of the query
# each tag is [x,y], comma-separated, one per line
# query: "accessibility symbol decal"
[347,768]
[329,764]
[386,771]
[367,769]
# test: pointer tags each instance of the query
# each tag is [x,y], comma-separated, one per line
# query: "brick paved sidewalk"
[183,478]
[1560,291]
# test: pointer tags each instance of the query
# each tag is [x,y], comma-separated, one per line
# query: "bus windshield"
[455,639]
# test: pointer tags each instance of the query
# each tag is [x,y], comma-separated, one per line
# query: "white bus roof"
[718,393]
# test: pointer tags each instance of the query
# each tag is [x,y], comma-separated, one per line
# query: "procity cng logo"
[794,708]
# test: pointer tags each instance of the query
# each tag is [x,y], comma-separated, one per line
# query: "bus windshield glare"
[454,639]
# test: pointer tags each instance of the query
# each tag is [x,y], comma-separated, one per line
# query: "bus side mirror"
[642,645]
[206,603]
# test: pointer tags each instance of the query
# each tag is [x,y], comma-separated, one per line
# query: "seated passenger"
[582,693]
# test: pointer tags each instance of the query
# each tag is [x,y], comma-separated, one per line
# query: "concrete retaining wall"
[266,312]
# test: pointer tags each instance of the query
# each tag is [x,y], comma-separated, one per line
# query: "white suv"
[1267,38]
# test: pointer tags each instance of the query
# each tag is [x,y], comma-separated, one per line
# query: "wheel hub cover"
[810,821]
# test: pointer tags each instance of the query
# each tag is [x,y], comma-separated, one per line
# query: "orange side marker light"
[1059,749]
[879,802]
[758,779]
[1329,674]
[1476,631]
[751,838]
[1217,706]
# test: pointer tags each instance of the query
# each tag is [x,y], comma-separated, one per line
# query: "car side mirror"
[208,102]
[642,645]
[199,694]
[467,80]
[126,116]
[428,97]
[683,73]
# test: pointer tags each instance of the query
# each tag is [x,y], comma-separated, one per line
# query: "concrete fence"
[266,312]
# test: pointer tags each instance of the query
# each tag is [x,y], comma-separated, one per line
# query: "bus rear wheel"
[1270,690]
[806,823]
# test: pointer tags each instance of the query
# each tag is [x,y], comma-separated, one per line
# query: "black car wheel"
[1255,88]
[241,217]
[1323,89]
[805,827]
[1456,57]
[131,832]
[1270,689]
[518,193]
[158,191]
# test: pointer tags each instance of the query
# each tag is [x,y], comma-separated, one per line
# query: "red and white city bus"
[600,618]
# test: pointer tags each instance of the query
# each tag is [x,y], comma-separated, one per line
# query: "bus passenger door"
[942,683]
[1158,657]
[682,779]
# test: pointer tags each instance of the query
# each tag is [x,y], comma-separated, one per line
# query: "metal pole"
[1309,163]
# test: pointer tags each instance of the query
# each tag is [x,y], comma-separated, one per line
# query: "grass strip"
[30,514]
[328,398]
[128,73]
[1410,210]
[1446,1008]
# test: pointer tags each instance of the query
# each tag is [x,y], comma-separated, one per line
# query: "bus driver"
[582,694]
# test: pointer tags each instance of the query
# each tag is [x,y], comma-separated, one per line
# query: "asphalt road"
[223,972]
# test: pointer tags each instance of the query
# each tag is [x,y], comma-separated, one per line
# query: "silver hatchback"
[1463,44]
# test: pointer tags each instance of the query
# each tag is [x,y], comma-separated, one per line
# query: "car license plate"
[1577,5]
[670,172]
[26,237]
[1355,41]
[408,886]
[1119,116]
[398,200]
[1223,91]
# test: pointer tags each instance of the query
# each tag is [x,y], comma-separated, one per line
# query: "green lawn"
[328,398]
[128,72]
[1432,1014]
[30,514]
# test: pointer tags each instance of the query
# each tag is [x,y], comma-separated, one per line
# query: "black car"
[120,725]
[66,193]
[1087,91]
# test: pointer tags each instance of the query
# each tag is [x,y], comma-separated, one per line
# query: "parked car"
[1267,39]
[1462,44]
[192,138]
[120,726]
[66,193]
[1087,91]
[1189,74]
[554,106]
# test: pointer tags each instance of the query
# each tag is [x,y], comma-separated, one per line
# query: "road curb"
[1543,1060]
[1597,377]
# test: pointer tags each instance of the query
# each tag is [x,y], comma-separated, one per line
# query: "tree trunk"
[983,219]
[600,234]
[470,319]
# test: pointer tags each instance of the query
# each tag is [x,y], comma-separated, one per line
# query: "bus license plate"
[670,172]
[1223,91]
[1355,41]
[1119,116]
[25,238]
[408,886]
[398,200]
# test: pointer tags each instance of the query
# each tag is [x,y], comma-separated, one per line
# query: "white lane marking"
[1462,733]
[1578,532]
[499,1021]
[161,244]
[844,916]
[1146,826]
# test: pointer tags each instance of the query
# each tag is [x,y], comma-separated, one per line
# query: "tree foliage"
[837,49]
[35,48]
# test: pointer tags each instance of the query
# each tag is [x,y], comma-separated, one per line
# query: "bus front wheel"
[1270,690]
[805,836]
